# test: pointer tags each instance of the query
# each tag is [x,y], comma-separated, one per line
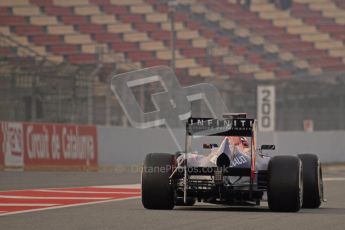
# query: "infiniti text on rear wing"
[216,127]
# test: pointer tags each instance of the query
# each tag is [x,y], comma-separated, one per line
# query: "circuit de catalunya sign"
[39,144]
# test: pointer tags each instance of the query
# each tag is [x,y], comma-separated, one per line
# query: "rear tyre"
[155,188]
[285,184]
[312,181]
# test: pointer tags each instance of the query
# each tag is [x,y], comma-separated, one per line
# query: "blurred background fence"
[45,92]
[219,43]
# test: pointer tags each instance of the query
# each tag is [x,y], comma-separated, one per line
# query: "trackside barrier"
[1,152]
[128,146]
[48,146]
[35,146]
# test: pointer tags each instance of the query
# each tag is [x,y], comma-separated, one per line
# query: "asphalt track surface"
[129,214]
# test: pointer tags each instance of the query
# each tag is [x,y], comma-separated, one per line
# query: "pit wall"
[119,145]
[42,146]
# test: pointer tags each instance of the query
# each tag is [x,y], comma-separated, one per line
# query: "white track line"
[55,198]
[334,179]
[118,186]
[65,206]
[21,204]
[139,185]
[125,186]
[83,192]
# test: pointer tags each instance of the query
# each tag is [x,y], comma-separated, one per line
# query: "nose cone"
[224,154]
[227,154]
[223,160]
[225,148]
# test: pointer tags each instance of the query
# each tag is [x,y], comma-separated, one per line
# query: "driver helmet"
[244,142]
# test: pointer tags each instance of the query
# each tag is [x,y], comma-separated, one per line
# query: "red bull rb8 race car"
[235,173]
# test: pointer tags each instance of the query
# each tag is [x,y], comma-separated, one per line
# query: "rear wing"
[216,127]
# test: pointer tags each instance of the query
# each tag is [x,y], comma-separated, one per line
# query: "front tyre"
[155,188]
[285,184]
[312,181]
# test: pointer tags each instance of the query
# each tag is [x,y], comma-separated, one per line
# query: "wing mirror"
[209,146]
[268,147]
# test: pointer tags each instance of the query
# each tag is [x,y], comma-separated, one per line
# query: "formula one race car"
[236,173]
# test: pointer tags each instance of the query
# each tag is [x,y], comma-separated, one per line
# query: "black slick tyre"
[285,184]
[312,181]
[155,188]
